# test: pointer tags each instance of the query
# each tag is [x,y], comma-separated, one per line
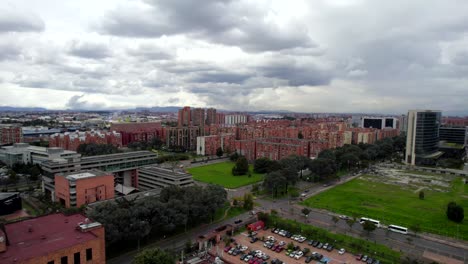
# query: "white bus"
[398,229]
[364,219]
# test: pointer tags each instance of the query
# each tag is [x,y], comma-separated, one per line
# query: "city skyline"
[323,56]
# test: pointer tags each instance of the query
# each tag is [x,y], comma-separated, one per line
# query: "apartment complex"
[10,134]
[83,187]
[53,239]
[152,177]
[72,140]
[422,138]
[134,132]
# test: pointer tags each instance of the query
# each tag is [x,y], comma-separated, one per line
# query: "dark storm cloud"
[13,21]
[296,74]
[89,50]
[219,21]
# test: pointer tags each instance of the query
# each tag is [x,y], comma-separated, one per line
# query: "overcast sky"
[307,56]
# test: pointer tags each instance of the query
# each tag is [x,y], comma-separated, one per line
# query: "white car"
[301,239]
[282,243]
[299,254]
[271,238]
[342,251]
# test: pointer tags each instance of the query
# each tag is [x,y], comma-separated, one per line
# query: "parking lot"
[244,240]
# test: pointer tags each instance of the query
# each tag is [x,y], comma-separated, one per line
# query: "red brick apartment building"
[131,132]
[75,189]
[71,141]
[53,239]
[10,134]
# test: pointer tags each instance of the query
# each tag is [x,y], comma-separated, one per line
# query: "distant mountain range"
[21,109]
[174,109]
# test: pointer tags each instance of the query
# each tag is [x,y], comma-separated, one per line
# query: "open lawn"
[220,173]
[397,204]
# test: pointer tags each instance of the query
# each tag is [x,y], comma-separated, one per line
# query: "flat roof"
[50,233]
[5,195]
[78,175]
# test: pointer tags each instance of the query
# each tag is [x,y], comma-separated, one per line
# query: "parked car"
[320,245]
[364,258]
[226,249]
[299,255]
[358,256]
[341,251]
[238,221]
[316,243]
[376,261]
[301,239]
[309,259]
[329,248]
[253,239]
[370,260]
[344,217]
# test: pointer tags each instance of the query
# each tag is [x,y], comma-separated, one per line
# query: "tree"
[234,157]
[325,169]
[154,256]
[368,226]
[241,167]
[455,212]
[248,201]
[34,173]
[219,152]
[421,195]
[262,165]
[305,211]
[274,181]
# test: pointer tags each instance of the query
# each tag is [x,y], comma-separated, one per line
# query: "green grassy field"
[220,173]
[392,204]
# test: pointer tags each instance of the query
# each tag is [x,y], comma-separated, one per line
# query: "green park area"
[221,173]
[394,202]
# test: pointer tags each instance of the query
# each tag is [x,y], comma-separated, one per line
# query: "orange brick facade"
[71,141]
[88,190]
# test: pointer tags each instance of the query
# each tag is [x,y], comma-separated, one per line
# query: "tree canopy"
[455,212]
[241,167]
[154,256]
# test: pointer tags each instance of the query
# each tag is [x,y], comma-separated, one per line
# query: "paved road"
[178,242]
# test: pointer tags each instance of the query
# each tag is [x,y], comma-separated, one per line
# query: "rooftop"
[78,175]
[43,235]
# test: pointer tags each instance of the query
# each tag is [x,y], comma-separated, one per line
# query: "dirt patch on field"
[410,180]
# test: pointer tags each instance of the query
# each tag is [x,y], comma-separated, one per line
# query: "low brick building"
[83,187]
[53,239]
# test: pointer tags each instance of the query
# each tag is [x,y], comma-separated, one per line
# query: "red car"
[226,249]
[279,249]
[358,256]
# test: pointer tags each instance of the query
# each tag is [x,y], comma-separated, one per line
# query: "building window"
[77,258]
[50,262]
[89,254]
[64,260]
